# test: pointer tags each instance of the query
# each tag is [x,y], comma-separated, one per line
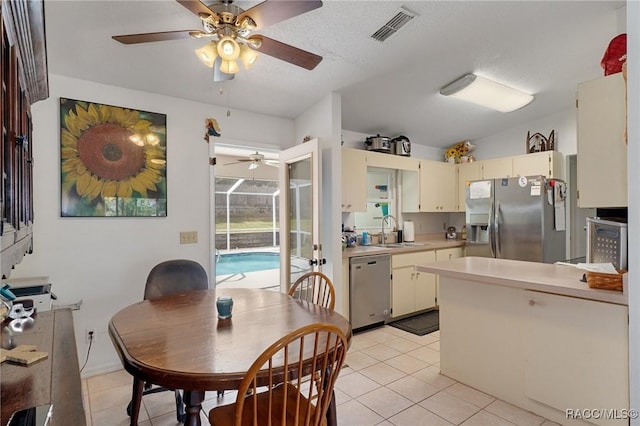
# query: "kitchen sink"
[400,245]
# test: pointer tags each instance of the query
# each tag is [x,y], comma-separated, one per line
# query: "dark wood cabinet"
[23,81]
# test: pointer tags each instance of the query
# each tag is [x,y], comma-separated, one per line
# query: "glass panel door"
[300,247]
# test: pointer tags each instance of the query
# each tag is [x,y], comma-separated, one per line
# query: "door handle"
[491,230]
[497,226]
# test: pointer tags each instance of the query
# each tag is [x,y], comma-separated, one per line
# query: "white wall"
[512,141]
[105,261]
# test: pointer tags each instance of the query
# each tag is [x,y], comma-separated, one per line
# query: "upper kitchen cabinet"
[467,172]
[354,180]
[496,168]
[547,163]
[602,152]
[432,189]
[24,81]
[390,161]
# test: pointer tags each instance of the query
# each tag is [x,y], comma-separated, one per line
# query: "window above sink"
[381,199]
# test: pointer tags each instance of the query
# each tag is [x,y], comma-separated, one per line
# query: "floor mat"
[419,324]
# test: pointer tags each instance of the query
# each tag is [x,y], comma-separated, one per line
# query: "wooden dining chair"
[280,387]
[314,287]
[165,279]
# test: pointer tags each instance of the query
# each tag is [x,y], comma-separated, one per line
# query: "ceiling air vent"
[401,17]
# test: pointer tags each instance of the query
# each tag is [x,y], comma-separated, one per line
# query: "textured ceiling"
[391,88]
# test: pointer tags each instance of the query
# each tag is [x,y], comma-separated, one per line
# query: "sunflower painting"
[113,160]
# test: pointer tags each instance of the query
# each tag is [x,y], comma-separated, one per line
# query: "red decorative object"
[615,55]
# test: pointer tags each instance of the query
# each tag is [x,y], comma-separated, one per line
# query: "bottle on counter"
[464,232]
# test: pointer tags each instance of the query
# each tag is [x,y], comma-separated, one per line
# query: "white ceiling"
[391,88]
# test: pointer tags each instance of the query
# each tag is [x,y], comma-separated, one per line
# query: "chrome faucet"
[385,217]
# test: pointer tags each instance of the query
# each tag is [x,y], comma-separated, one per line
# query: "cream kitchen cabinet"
[435,186]
[438,192]
[432,189]
[602,153]
[412,291]
[390,161]
[466,172]
[566,341]
[354,180]
[547,163]
[496,168]
[443,255]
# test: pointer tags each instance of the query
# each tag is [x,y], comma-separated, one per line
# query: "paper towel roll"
[408,231]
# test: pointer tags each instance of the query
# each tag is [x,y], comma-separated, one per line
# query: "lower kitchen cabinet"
[446,254]
[583,362]
[542,352]
[412,291]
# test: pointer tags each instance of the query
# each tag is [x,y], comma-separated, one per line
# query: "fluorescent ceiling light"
[487,93]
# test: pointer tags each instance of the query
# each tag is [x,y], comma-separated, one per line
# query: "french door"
[300,248]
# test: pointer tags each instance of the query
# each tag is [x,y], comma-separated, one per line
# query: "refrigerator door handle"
[491,230]
[496,221]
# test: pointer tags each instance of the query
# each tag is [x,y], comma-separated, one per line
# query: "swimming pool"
[237,263]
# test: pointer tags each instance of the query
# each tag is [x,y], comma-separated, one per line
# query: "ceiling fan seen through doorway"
[255,160]
[231,28]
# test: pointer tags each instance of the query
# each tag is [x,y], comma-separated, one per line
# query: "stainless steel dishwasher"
[369,290]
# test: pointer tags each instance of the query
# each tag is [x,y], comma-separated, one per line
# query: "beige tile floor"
[392,378]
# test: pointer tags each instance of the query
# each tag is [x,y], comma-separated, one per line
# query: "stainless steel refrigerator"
[520,218]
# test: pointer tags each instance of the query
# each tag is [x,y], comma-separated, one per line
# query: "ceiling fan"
[255,160]
[231,29]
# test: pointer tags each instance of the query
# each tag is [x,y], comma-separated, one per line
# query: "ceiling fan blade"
[286,52]
[150,37]
[271,12]
[238,162]
[195,6]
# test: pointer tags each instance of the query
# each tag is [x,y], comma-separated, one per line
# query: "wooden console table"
[54,380]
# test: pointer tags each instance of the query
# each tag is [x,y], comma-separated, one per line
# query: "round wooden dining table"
[178,341]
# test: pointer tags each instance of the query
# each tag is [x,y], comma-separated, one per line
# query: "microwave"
[607,241]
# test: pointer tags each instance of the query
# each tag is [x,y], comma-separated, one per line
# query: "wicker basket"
[605,281]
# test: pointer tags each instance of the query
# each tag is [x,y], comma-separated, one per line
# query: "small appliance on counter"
[451,233]
[401,146]
[378,143]
[350,238]
[607,241]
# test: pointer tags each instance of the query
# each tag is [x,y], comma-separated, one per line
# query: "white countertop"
[549,278]
[425,244]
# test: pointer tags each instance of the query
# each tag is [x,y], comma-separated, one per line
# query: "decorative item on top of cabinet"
[538,143]
[458,150]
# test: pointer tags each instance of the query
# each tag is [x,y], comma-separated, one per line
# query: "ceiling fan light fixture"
[253,166]
[228,49]
[229,67]
[254,43]
[487,93]
[208,53]
[247,23]
[248,56]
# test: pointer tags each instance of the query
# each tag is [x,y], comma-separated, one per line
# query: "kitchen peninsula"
[535,336]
